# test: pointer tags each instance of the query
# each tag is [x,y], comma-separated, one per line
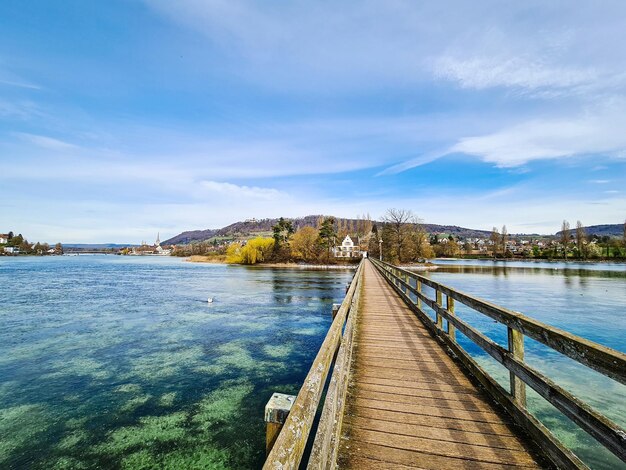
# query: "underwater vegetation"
[120,363]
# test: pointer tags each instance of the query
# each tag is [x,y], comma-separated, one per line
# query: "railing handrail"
[290,444]
[607,361]
[605,431]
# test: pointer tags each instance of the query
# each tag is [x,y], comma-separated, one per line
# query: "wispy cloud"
[19,84]
[46,142]
[517,72]
[600,131]
[231,190]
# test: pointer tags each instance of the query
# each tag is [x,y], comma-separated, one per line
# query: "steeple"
[158,240]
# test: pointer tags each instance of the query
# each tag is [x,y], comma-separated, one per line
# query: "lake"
[120,362]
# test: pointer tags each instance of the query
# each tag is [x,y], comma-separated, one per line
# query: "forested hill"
[609,230]
[256,226]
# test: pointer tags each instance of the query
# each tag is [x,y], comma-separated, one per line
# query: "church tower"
[158,240]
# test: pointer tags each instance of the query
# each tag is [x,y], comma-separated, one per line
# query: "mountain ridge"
[244,228]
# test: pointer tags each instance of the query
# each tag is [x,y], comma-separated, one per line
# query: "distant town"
[326,239]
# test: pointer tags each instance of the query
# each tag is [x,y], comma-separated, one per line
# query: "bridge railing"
[607,361]
[291,443]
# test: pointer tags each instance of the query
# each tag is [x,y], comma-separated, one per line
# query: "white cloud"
[599,131]
[46,142]
[481,44]
[517,72]
[249,192]
[542,139]
[20,84]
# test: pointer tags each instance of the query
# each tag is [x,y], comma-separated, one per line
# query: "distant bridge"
[404,394]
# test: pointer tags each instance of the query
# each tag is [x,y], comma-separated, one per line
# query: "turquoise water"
[587,299]
[120,362]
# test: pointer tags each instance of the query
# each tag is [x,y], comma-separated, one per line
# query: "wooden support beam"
[335,309]
[516,347]
[450,309]
[276,412]
[439,303]
[419,291]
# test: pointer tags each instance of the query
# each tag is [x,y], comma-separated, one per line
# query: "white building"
[347,249]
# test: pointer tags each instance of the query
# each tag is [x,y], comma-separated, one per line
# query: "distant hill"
[248,227]
[610,230]
[96,246]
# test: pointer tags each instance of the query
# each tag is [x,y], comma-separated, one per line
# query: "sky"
[125,118]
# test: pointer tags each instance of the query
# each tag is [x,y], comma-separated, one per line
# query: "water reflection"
[504,270]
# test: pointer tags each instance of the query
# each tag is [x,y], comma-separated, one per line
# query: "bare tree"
[495,240]
[503,239]
[581,239]
[565,237]
[396,221]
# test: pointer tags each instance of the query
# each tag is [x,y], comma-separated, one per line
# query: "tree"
[373,247]
[565,237]
[254,251]
[327,235]
[58,249]
[448,249]
[495,240]
[418,245]
[581,240]
[304,244]
[396,222]
[503,239]
[282,230]
[16,240]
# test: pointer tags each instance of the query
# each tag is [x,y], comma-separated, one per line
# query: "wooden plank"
[372,464]
[429,410]
[401,374]
[443,402]
[395,456]
[442,434]
[460,450]
[452,424]
[430,388]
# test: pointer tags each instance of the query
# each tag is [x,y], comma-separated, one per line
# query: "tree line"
[27,248]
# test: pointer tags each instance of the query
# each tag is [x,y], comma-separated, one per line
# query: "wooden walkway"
[409,405]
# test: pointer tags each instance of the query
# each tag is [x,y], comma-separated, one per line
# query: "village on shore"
[399,237]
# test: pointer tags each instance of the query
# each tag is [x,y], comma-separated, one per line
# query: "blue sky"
[119,119]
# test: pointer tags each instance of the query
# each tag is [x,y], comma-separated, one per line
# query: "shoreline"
[203,259]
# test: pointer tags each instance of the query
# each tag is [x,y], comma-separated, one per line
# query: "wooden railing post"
[439,303]
[276,412]
[419,290]
[516,347]
[450,308]
[336,308]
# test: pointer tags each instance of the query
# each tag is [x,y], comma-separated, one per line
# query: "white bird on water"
[210,300]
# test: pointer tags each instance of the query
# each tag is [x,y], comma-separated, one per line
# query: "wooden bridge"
[404,394]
